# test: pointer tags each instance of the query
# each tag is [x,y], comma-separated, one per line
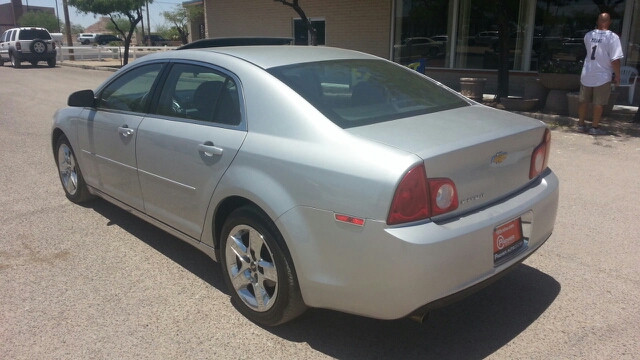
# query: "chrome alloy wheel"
[68,170]
[251,268]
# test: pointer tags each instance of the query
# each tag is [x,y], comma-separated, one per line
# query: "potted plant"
[560,74]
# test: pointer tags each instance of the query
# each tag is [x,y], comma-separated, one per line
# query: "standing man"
[603,59]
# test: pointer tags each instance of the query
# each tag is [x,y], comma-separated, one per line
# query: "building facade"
[450,36]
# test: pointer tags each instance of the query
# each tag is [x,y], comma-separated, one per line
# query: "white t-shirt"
[603,47]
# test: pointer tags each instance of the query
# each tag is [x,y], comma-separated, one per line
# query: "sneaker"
[582,129]
[597,131]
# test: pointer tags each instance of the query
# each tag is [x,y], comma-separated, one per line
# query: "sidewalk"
[616,123]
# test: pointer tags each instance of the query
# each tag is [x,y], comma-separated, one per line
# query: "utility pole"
[148,24]
[58,15]
[142,26]
[67,25]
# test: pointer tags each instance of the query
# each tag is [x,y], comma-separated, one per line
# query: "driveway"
[95,282]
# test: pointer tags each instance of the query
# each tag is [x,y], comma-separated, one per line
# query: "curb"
[615,128]
[89,67]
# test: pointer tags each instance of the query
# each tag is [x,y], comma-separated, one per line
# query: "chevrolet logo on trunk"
[499,157]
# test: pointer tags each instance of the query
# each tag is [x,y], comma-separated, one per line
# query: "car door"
[4,45]
[107,136]
[185,148]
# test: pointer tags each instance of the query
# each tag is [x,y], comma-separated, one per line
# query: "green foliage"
[179,19]
[168,32]
[561,67]
[107,7]
[40,19]
[123,24]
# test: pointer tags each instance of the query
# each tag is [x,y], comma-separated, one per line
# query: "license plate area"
[507,240]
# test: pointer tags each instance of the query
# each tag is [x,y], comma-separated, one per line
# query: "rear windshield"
[361,92]
[31,34]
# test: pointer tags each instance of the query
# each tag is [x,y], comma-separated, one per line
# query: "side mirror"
[82,98]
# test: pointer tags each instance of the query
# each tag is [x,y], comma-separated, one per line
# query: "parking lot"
[93,281]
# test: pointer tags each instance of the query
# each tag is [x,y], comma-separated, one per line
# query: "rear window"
[361,92]
[31,34]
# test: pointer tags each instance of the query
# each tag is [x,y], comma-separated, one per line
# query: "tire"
[263,264]
[85,42]
[38,46]
[69,172]
[1,61]
[51,62]
[15,61]
[34,63]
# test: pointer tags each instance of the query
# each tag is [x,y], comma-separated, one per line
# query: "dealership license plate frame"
[508,240]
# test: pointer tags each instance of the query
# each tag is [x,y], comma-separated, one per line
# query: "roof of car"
[271,56]
[236,41]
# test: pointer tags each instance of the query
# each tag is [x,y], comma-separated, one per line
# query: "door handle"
[209,149]
[125,131]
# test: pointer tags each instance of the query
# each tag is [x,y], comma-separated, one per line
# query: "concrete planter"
[573,102]
[533,89]
[473,88]
[557,102]
[518,104]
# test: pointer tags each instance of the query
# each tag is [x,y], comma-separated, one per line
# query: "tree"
[40,19]
[295,6]
[180,18]
[118,24]
[130,10]
[75,29]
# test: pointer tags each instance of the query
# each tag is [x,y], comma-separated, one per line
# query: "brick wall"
[362,25]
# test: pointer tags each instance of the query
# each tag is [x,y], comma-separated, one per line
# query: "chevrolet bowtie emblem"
[499,157]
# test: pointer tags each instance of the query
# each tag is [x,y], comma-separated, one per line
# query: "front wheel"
[258,269]
[70,175]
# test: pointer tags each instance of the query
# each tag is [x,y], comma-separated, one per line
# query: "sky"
[155,9]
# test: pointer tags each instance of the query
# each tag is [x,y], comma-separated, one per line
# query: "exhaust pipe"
[420,317]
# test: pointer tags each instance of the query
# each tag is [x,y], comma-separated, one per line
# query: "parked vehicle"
[156,40]
[87,38]
[419,47]
[30,44]
[317,177]
[104,39]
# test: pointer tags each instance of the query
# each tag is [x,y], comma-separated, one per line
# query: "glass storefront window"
[463,34]
[560,27]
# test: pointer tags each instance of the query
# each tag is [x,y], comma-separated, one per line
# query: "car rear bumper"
[33,56]
[391,272]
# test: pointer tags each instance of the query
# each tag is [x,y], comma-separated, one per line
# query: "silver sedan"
[317,177]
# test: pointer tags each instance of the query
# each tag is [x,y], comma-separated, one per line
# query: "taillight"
[540,155]
[18,45]
[53,45]
[418,198]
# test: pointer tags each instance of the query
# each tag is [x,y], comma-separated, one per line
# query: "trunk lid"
[486,152]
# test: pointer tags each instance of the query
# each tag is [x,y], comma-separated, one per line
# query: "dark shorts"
[598,95]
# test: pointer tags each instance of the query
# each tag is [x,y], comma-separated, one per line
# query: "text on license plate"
[507,238]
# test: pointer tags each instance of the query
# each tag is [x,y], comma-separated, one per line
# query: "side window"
[4,36]
[130,92]
[13,35]
[199,93]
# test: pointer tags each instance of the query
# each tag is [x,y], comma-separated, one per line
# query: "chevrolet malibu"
[317,177]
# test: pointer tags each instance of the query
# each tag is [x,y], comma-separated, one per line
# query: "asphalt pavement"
[93,281]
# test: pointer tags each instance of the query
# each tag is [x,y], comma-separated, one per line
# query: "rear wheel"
[258,269]
[34,63]
[70,175]
[15,62]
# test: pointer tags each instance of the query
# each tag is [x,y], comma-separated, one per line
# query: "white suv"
[86,39]
[30,44]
